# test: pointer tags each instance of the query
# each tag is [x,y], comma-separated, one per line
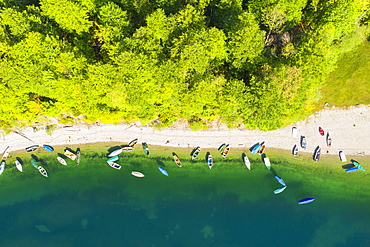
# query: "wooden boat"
[316,154]
[356,164]
[328,140]
[114,165]
[18,165]
[226,151]
[137,174]
[128,149]
[34,163]
[267,162]
[256,148]
[115,152]
[6,153]
[163,171]
[342,156]
[112,159]
[294,132]
[48,148]
[145,148]
[321,131]
[32,148]
[306,201]
[61,161]
[195,153]
[247,162]
[177,160]
[262,148]
[78,156]
[42,171]
[295,151]
[279,190]
[210,161]
[2,166]
[133,143]
[280,180]
[221,148]
[303,142]
[70,155]
[352,169]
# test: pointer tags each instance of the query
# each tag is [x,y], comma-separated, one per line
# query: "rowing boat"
[226,151]
[316,155]
[133,142]
[295,150]
[342,156]
[321,131]
[280,180]
[18,165]
[48,148]
[115,152]
[112,159]
[210,161]
[61,161]
[32,148]
[262,148]
[247,162]
[114,165]
[356,164]
[352,169]
[306,201]
[294,131]
[256,148]
[195,153]
[70,155]
[303,142]
[128,149]
[328,140]
[145,148]
[267,162]
[2,166]
[163,171]
[279,190]
[78,156]
[221,148]
[177,160]
[6,153]
[42,171]
[137,174]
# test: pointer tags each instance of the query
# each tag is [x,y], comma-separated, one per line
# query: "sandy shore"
[349,129]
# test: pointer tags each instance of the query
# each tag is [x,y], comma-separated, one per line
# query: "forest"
[257,63]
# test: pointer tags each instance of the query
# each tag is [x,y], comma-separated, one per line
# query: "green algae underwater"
[93,204]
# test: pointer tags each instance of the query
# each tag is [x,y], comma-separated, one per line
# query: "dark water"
[95,205]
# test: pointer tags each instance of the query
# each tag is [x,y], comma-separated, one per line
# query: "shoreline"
[348,128]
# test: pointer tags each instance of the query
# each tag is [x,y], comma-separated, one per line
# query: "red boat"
[321,131]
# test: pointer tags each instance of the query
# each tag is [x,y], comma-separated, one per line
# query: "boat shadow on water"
[62,156]
[70,150]
[160,162]
[20,160]
[346,166]
[206,156]
[111,149]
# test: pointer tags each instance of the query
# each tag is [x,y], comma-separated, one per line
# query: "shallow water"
[95,205]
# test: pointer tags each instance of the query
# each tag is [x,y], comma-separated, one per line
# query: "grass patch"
[349,84]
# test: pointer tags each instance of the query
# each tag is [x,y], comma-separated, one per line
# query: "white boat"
[294,131]
[42,171]
[128,149]
[6,153]
[78,156]
[62,161]
[342,156]
[267,162]
[137,174]
[247,162]
[114,165]
[2,166]
[18,165]
[70,155]
[115,152]
[279,190]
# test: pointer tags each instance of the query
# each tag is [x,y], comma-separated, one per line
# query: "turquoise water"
[95,205]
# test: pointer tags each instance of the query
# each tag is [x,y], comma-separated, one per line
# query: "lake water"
[95,205]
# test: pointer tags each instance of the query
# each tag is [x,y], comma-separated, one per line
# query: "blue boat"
[112,159]
[306,200]
[48,148]
[256,149]
[163,171]
[352,169]
[279,190]
[280,180]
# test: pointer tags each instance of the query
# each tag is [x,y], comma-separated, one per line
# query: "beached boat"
[352,169]
[303,142]
[342,156]
[195,153]
[247,162]
[262,148]
[112,159]
[321,131]
[70,155]
[294,131]
[48,148]
[226,151]
[295,150]
[128,149]
[356,164]
[78,156]
[163,171]
[114,165]
[32,148]
[18,165]
[210,161]
[267,162]
[316,154]
[306,200]
[328,140]
[42,171]
[280,180]
[133,142]
[177,160]
[115,152]
[256,148]
[34,163]
[145,148]
[137,174]
[2,166]
[61,161]
[6,153]
[221,148]
[279,190]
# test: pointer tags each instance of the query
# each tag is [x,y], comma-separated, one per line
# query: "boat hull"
[112,159]
[306,201]
[163,171]
[48,148]
[61,161]
[267,162]
[18,165]
[280,180]
[32,148]
[210,161]
[255,149]
[42,171]
[352,169]
[115,152]
[279,190]
[137,174]
[247,162]
[114,165]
